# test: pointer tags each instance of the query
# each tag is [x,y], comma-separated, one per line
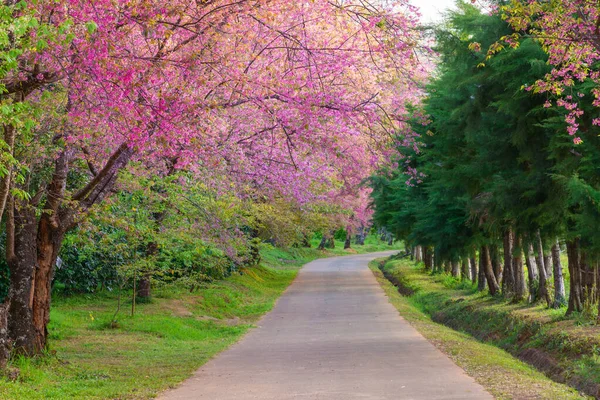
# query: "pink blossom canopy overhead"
[299,99]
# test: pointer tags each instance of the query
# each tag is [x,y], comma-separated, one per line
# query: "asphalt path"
[333,335]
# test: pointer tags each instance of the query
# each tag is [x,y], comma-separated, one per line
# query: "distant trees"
[497,175]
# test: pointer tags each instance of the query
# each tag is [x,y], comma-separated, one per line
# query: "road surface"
[333,335]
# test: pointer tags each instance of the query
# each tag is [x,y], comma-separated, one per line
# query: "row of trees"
[497,175]
[187,121]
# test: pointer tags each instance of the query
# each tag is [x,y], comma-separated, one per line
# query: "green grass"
[476,331]
[166,340]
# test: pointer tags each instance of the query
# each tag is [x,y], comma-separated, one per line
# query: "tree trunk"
[37,243]
[517,267]
[465,271]
[5,344]
[481,281]
[455,268]
[418,253]
[21,329]
[49,242]
[532,274]
[486,263]
[323,242]
[559,282]
[428,258]
[331,241]
[597,286]
[348,239]
[438,263]
[496,263]
[143,287]
[587,278]
[508,277]
[575,299]
[473,262]
[548,264]
[543,291]
[360,236]
[390,239]
[446,267]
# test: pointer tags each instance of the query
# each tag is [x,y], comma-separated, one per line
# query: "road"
[333,335]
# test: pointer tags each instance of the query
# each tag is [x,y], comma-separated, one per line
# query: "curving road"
[333,335]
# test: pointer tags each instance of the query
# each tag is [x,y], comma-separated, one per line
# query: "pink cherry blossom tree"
[278,97]
[570,32]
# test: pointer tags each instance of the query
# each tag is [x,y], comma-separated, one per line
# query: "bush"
[85,267]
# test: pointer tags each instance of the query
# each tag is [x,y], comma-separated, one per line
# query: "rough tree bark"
[532,273]
[390,239]
[21,330]
[575,294]
[428,258]
[438,263]
[496,261]
[508,277]
[548,263]
[517,267]
[348,239]
[360,236]
[481,277]
[144,286]
[331,241]
[543,288]
[588,277]
[37,242]
[455,268]
[447,267]
[465,270]
[323,242]
[473,262]
[559,282]
[486,264]
[4,340]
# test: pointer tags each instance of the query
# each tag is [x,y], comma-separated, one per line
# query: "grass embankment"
[485,335]
[164,342]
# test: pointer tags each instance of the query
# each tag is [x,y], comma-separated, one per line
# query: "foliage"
[482,162]
[568,32]
[496,168]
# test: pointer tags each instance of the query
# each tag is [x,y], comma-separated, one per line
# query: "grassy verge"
[502,374]
[164,342]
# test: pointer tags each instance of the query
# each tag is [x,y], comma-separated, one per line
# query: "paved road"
[332,336]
